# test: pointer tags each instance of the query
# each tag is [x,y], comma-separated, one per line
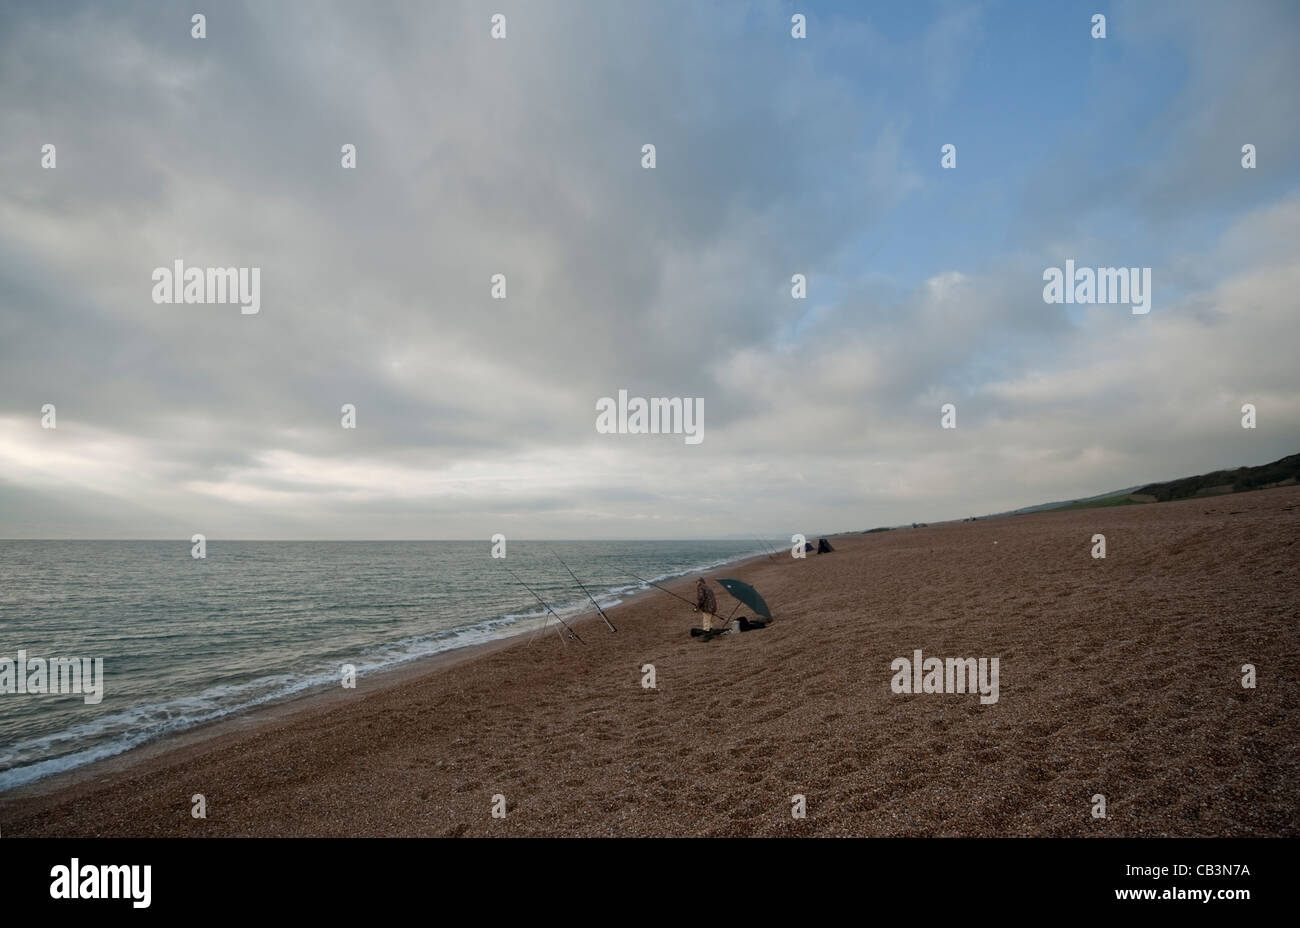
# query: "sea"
[186,640]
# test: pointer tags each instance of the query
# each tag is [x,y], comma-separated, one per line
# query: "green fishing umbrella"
[748,596]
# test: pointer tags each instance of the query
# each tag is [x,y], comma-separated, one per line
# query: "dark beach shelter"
[748,596]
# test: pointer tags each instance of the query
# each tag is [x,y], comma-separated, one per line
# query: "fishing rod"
[585,590]
[766,546]
[696,606]
[543,602]
[668,591]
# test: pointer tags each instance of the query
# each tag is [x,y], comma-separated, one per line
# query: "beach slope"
[1119,677]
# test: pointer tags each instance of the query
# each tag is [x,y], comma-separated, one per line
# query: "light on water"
[186,641]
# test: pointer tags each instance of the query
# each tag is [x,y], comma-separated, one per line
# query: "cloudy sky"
[522,156]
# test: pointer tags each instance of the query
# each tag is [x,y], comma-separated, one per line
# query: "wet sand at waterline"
[1119,677]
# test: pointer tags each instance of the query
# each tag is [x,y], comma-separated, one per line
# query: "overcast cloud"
[522,156]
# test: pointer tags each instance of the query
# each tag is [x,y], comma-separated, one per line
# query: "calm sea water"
[187,641]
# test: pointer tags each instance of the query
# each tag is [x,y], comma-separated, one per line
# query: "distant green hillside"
[1282,472]
[1119,499]
[1286,470]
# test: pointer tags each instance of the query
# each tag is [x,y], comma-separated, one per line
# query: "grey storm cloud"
[522,157]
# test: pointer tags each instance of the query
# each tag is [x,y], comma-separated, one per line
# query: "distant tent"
[807,546]
[824,546]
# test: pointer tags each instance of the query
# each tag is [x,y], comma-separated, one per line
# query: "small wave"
[118,732]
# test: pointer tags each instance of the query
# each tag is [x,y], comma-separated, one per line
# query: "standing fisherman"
[705,602]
